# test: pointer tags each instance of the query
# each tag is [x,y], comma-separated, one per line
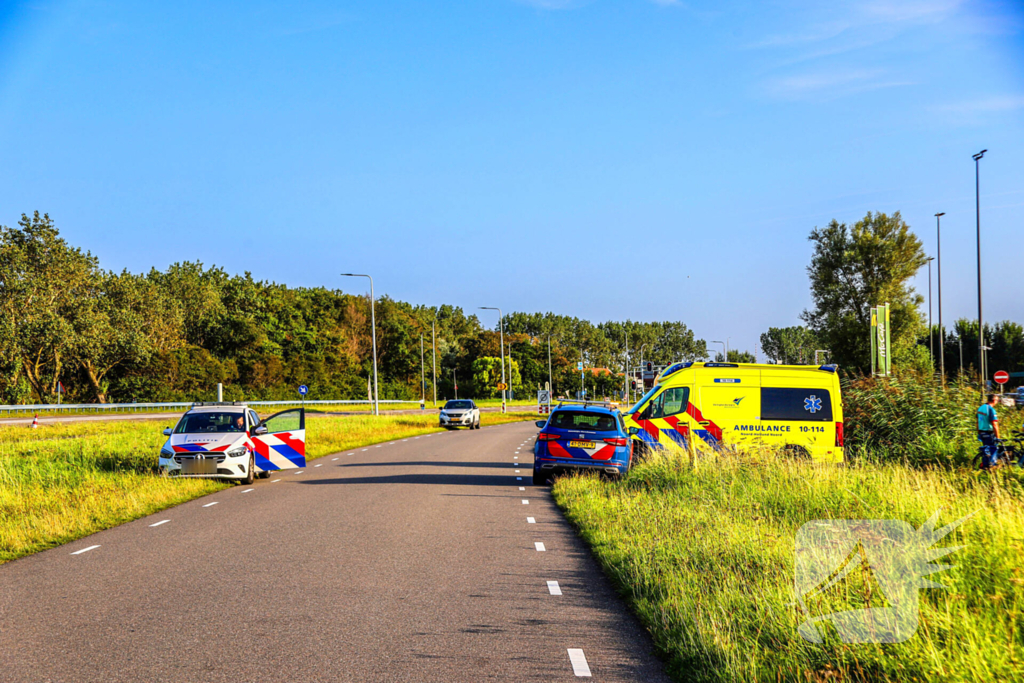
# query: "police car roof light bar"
[203,404]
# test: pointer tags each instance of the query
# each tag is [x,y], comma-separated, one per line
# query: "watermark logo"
[880,564]
[736,401]
[812,404]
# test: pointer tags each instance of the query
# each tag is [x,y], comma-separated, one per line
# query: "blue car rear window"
[572,419]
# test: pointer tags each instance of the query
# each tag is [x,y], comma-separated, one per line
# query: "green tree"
[855,268]
[736,357]
[789,345]
[487,375]
[45,285]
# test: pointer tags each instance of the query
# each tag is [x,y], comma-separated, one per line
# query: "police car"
[582,436]
[230,441]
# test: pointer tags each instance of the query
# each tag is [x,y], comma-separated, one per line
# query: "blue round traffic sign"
[303,390]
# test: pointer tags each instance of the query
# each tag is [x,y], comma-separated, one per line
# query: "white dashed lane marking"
[521,488]
[299,472]
[85,550]
[539,546]
[162,521]
[531,520]
[333,459]
[526,502]
[553,588]
[210,504]
[316,465]
[579,663]
[275,481]
[248,490]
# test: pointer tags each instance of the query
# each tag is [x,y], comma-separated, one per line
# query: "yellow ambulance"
[794,407]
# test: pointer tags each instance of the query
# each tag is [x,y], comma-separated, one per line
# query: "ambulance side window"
[809,405]
[670,402]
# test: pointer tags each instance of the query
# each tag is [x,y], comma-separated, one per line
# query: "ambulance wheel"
[251,474]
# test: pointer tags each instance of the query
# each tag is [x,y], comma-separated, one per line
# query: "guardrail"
[138,407]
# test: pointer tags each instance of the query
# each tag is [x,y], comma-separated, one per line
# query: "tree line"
[174,334]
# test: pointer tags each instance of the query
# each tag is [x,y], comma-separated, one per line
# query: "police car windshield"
[646,397]
[458,405]
[207,423]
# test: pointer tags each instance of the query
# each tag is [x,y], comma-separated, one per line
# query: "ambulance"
[708,406]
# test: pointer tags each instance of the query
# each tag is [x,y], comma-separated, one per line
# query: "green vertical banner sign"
[889,353]
[875,341]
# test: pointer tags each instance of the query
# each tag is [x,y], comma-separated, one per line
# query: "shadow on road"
[433,463]
[435,479]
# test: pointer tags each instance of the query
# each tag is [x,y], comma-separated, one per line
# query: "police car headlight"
[236,452]
[444,415]
[166,452]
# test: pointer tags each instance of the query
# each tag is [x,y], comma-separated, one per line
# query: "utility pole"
[423,376]
[501,338]
[433,353]
[551,384]
[981,325]
[942,331]
[931,347]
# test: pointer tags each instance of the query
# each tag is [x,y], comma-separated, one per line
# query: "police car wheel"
[251,473]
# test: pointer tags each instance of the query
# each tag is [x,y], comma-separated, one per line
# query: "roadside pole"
[423,378]
[433,353]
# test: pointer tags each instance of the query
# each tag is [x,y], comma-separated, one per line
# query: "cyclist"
[988,430]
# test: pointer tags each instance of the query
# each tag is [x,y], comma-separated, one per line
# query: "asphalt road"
[172,417]
[412,561]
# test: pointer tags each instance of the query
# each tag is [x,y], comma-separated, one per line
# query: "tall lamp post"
[433,352]
[725,349]
[942,332]
[643,383]
[931,346]
[501,340]
[373,334]
[625,384]
[551,384]
[981,325]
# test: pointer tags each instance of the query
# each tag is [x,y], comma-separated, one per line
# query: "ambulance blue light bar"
[676,367]
[829,368]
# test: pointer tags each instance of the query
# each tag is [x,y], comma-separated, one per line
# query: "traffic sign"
[1001,377]
[579,365]
[502,386]
[303,390]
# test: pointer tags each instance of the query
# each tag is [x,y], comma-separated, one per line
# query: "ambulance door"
[280,441]
[662,422]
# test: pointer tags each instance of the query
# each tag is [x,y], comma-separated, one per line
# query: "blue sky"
[666,160]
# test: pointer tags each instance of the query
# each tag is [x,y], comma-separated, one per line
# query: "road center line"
[210,504]
[316,465]
[521,488]
[248,490]
[531,520]
[526,502]
[539,546]
[333,459]
[162,521]
[85,550]
[300,472]
[579,663]
[553,588]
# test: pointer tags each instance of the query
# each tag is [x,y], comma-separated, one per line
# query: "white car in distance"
[460,413]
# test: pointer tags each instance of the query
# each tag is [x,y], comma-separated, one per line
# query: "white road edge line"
[553,588]
[579,662]
[526,502]
[539,546]
[162,521]
[275,481]
[85,550]
[210,504]
[531,520]
[247,490]
[520,488]
[333,459]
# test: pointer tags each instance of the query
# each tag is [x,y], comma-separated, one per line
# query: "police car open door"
[283,445]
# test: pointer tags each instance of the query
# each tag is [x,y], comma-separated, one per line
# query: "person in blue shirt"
[988,430]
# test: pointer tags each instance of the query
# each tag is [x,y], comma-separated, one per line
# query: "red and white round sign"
[1001,377]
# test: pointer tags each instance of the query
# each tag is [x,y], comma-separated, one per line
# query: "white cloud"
[830,84]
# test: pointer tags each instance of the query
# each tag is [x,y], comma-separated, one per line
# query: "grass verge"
[705,558]
[61,482]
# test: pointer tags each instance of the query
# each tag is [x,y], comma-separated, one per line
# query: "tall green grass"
[914,419]
[705,557]
[62,482]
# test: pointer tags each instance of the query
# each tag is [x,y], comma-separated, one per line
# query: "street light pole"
[423,376]
[501,338]
[942,332]
[551,384]
[625,383]
[725,349]
[433,353]
[931,347]
[373,334]
[981,325]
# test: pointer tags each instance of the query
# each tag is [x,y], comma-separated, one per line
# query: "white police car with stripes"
[230,441]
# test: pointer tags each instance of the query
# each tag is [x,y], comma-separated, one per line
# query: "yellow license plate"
[582,444]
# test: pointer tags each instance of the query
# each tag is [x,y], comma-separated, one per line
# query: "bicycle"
[1008,452]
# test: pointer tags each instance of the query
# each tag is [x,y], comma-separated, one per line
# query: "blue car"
[581,437]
